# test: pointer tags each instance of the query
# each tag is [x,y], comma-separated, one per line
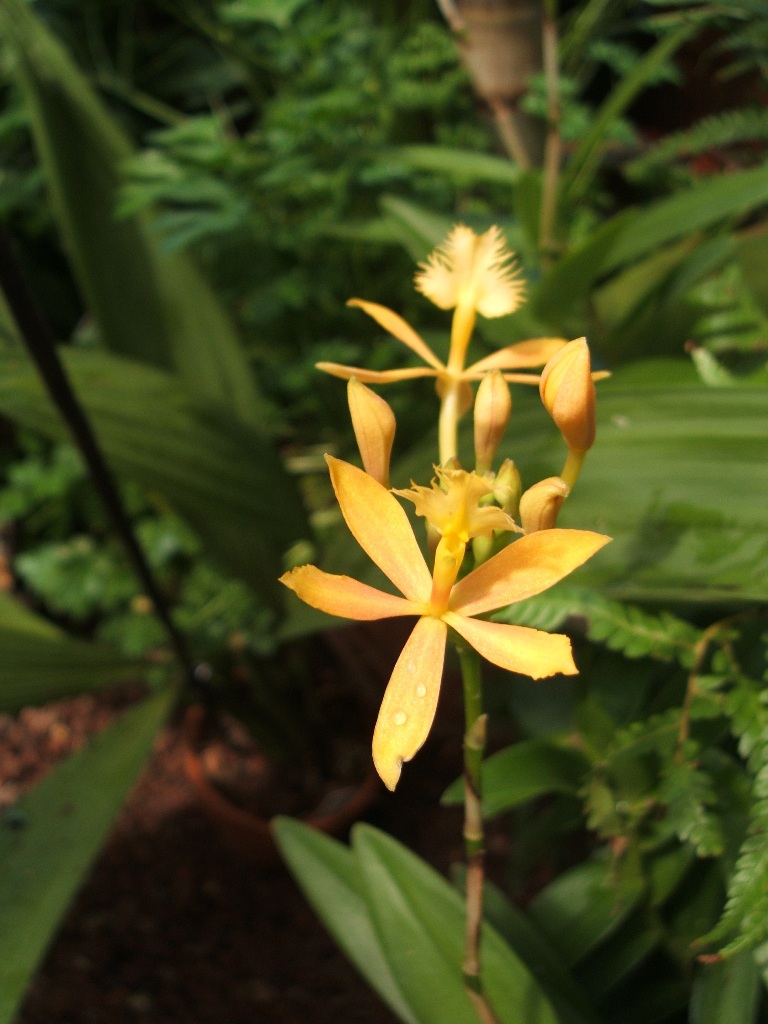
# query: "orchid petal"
[524,568]
[381,528]
[343,596]
[531,652]
[523,355]
[399,328]
[377,376]
[409,704]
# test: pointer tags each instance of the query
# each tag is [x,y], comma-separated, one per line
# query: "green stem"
[572,467]
[474,833]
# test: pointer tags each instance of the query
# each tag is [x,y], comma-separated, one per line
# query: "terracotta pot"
[245,831]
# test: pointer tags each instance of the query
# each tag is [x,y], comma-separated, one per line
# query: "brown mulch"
[173,926]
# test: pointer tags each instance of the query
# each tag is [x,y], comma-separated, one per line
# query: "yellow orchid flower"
[527,567]
[452,505]
[470,274]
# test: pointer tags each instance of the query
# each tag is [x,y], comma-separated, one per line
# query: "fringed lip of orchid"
[476,271]
[523,569]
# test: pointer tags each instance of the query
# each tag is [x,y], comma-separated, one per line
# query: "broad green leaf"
[703,205]
[328,874]
[39,662]
[460,163]
[152,305]
[622,952]
[581,908]
[275,12]
[638,234]
[560,296]
[678,477]
[516,928]
[420,230]
[49,842]
[726,991]
[220,474]
[522,772]
[419,918]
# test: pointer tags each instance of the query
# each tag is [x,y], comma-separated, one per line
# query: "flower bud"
[568,392]
[541,503]
[374,424]
[507,487]
[493,407]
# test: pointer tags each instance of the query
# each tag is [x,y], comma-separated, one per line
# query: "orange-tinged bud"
[374,424]
[568,392]
[540,504]
[493,407]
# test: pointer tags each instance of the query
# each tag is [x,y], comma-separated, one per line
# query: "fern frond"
[689,794]
[734,127]
[621,627]
[745,916]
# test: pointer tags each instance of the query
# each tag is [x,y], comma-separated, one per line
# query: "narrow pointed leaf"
[419,918]
[727,991]
[523,772]
[152,305]
[48,845]
[39,662]
[328,874]
[581,908]
[221,475]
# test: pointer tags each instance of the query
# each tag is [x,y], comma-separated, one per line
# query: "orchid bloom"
[470,274]
[524,568]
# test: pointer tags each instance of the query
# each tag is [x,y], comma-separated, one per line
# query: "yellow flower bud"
[540,504]
[493,407]
[374,424]
[568,392]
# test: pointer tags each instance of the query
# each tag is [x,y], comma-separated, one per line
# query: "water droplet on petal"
[411,666]
[399,718]
[421,690]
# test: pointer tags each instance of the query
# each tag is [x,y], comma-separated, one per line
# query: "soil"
[174,926]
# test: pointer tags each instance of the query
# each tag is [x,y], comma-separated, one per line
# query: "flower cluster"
[469,514]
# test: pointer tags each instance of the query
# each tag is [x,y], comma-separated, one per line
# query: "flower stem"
[448,423]
[474,833]
[572,467]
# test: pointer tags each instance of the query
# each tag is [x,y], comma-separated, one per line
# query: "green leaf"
[419,918]
[662,480]
[50,841]
[420,230]
[460,163]
[562,292]
[582,908]
[701,206]
[39,662]
[516,929]
[727,991]
[223,476]
[522,772]
[581,166]
[328,874]
[613,960]
[275,12]
[149,304]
